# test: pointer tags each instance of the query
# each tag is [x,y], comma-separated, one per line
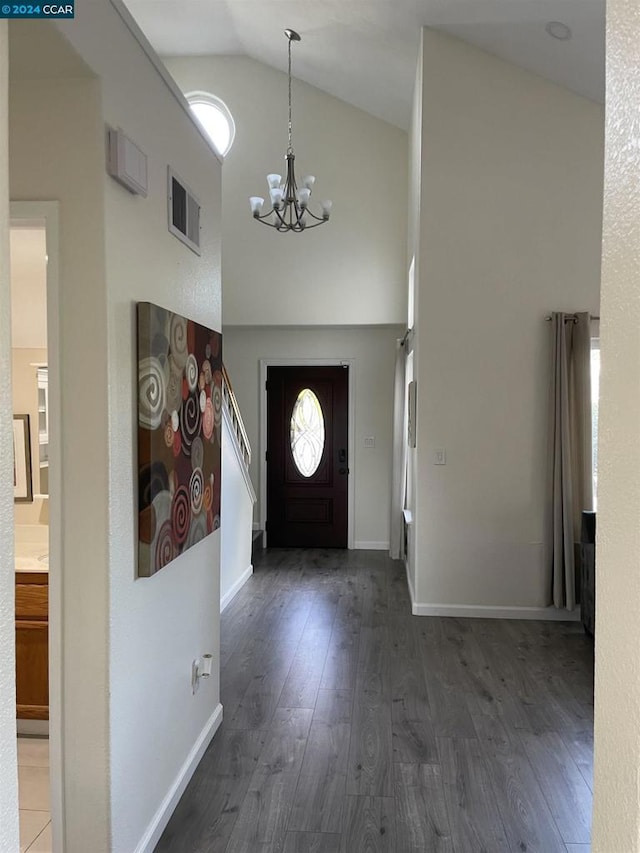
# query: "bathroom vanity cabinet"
[32,645]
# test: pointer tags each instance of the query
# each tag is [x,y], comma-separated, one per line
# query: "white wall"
[56,136]
[374,352]
[510,230]
[28,287]
[350,271]
[157,626]
[8,759]
[130,718]
[236,519]
[616,805]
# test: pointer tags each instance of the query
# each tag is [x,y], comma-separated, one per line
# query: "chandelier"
[289,203]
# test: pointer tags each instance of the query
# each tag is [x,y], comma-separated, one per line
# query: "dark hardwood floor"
[351,726]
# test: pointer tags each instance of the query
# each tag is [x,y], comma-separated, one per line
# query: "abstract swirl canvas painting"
[179,435]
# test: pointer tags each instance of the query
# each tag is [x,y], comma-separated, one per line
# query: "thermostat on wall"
[126,162]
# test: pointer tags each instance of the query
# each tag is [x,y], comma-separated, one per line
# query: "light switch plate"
[440,456]
[370,441]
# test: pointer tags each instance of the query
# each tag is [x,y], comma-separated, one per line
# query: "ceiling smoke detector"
[558,30]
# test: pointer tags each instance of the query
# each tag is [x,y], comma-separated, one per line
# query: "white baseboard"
[481,611]
[371,546]
[161,818]
[237,586]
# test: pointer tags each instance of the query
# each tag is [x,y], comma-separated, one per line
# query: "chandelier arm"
[264,215]
[313,216]
[283,226]
[290,219]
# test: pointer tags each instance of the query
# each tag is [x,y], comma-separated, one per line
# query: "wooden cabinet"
[32,645]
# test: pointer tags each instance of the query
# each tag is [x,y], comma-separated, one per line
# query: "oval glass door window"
[307,432]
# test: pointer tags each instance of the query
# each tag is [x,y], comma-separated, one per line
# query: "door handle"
[343,470]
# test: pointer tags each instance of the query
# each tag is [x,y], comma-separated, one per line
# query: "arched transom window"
[214,116]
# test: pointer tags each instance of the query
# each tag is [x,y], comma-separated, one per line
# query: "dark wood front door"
[307,456]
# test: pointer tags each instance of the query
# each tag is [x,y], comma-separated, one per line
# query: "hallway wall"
[8,757]
[374,352]
[510,229]
[133,728]
[55,135]
[158,625]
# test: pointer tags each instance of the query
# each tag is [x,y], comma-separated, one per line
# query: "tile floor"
[33,777]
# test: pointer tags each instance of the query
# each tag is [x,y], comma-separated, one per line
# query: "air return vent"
[184,212]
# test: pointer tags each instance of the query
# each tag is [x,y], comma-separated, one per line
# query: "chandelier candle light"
[290,205]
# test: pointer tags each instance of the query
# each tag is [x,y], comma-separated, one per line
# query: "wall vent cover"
[184,212]
[126,162]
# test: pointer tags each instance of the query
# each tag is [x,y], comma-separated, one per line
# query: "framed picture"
[22,485]
[411,420]
[179,435]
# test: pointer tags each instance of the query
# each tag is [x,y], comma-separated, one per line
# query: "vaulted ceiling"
[364,51]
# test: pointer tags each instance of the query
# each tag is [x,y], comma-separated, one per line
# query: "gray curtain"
[570,488]
[399,471]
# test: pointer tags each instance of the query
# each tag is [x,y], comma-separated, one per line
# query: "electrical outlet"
[370,441]
[440,456]
[200,668]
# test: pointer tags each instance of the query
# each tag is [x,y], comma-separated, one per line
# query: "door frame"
[24,213]
[262,448]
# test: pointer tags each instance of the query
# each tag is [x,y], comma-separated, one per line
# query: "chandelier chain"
[290,148]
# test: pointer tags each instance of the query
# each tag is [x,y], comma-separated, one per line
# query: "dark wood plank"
[206,814]
[369,825]
[370,769]
[422,823]
[413,734]
[349,611]
[534,668]
[319,798]
[525,814]
[303,681]
[311,842]
[566,791]
[264,814]
[374,661]
[342,658]
[473,813]
[318,803]
[448,710]
[333,706]
[580,746]
[413,740]
[375,604]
